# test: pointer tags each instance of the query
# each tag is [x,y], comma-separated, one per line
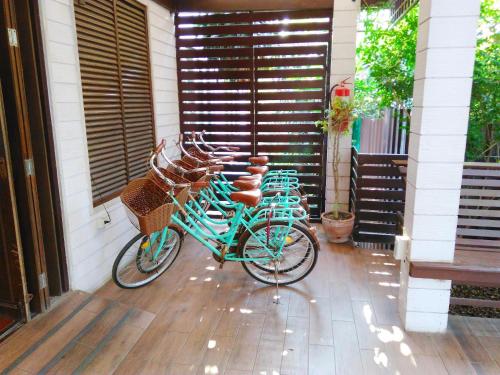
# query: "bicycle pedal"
[217,258]
[223,253]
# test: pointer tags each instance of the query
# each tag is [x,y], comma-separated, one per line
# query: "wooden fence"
[388,134]
[377,193]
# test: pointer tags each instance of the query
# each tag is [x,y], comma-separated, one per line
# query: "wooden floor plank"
[71,361]
[217,355]
[375,362]
[367,329]
[492,346]
[299,304]
[296,348]
[469,343]
[320,322]
[153,352]
[347,354]
[428,364]
[490,368]
[40,329]
[244,351]
[481,326]
[451,353]
[340,300]
[321,360]
[275,323]
[198,319]
[268,360]
[41,356]
[112,354]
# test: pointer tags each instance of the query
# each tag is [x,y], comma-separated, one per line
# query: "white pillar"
[443,80]
[343,65]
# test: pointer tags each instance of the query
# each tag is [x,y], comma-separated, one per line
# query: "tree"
[385,73]
[483,137]
[385,62]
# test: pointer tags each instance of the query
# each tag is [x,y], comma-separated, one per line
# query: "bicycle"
[272,244]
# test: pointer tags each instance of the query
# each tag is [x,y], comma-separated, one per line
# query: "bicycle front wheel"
[297,260]
[141,260]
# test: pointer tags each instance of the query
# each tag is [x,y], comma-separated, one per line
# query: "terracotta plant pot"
[338,231]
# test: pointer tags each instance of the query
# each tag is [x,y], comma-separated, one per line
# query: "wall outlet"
[401,246]
[103,221]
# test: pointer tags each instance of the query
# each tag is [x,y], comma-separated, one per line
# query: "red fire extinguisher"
[341,91]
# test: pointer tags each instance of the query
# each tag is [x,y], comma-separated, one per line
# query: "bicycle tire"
[297,225]
[154,275]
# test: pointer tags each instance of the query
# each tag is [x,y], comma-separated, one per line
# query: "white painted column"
[343,65]
[443,81]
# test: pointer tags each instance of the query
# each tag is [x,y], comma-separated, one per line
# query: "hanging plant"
[337,123]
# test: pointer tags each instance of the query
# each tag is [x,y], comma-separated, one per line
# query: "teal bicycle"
[282,182]
[272,242]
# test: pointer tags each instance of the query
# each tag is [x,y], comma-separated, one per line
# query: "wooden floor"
[198,319]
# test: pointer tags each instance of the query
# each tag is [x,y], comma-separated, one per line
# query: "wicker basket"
[148,207]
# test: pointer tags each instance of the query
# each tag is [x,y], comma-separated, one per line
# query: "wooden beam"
[254,5]
[472,275]
[169,4]
[233,5]
[475,302]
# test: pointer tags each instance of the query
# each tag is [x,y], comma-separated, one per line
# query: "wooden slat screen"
[258,80]
[377,195]
[115,71]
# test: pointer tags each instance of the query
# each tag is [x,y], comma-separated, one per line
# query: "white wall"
[91,251]
[343,65]
[441,95]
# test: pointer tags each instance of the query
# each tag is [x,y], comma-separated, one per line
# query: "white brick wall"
[90,250]
[343,65]
[443,81]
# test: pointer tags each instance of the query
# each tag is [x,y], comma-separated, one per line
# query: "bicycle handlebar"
[214,149]
[159,150]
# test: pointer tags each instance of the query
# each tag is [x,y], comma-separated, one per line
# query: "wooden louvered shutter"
[291,77]
[136,85]
[114,66]
[215,78]
[258,80]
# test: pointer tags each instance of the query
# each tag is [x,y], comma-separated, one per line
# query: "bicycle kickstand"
[276,298]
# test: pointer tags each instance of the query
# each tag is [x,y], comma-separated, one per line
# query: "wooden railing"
[479,214]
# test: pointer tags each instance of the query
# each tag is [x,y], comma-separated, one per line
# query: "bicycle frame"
[228,238]
[238,217]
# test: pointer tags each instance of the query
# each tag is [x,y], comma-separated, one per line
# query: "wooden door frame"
[51,204]
[13,256]
[41,296]
[31,130]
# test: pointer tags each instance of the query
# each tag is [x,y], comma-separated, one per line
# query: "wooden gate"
[258,80]
[377,195]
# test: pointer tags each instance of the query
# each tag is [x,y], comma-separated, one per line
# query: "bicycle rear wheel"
[299,256]
[140,262]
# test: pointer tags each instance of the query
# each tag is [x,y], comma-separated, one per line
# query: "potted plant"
[337,122]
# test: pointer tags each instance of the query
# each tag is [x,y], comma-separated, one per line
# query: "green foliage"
[385,62]
[484,130]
